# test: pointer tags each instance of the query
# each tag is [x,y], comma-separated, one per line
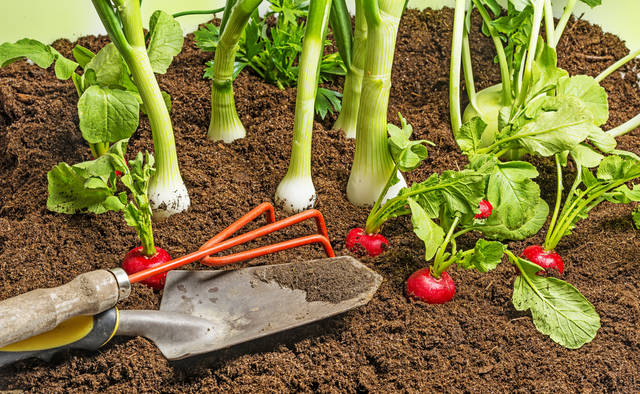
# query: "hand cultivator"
[201,311]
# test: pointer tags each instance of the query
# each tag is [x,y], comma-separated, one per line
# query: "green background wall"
[47,20]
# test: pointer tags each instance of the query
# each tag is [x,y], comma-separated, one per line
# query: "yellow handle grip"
[80,332]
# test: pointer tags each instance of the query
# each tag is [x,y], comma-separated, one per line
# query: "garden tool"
[201,311]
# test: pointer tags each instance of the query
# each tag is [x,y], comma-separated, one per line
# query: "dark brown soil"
[342,281]
[477,342]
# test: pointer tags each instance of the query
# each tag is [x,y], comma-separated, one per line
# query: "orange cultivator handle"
[221,242]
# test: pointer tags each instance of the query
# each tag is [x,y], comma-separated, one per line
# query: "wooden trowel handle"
[42,310]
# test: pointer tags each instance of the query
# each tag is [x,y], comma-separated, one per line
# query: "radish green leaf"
[166,40]
[557,308]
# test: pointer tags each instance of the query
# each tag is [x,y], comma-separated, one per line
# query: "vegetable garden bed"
[477,342]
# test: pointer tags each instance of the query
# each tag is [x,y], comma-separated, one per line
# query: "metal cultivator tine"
[221,241]
[272,226]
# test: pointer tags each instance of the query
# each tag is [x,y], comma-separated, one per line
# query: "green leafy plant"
[118,82]
[554,115]
[92,187]
[489,197]
[589,189]
[122,20]
[538,109]
[520,79]
[557,308]
[529,72]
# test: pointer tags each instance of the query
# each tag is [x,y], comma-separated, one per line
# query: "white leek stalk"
[225,124]
[296,191]
[372,164]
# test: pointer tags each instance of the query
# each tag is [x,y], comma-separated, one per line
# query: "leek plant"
[372,164]
[122,20]
[244,39]
[225,124]
[296,191]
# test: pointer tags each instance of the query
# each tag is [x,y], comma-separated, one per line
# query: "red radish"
[360,243]
[423,286]
[136,261]
[485,210]
[544,258]
[119,173]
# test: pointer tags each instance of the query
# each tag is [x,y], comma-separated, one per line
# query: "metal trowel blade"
[245,304]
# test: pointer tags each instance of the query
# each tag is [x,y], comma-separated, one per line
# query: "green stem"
[538,8]
[516,261]
[572,192]
[397,202]
[225,124]
[556,209]
[131,19]
[548,23]
[461,232]
[348,118]
[625,127]
[372,164]
[340,22]
[312,48]
[468,72]
[438,267]
[569,219]
[112,25]
[505,73]
[146,239]
[371,10]
[567,208]
[228,6]
[454,67]
[370,227]
[617,65]
[502,152]
[445,265]
[99,149]
[562,23]
[198,12]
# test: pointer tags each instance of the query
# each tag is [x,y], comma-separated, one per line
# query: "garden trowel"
[204,311]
